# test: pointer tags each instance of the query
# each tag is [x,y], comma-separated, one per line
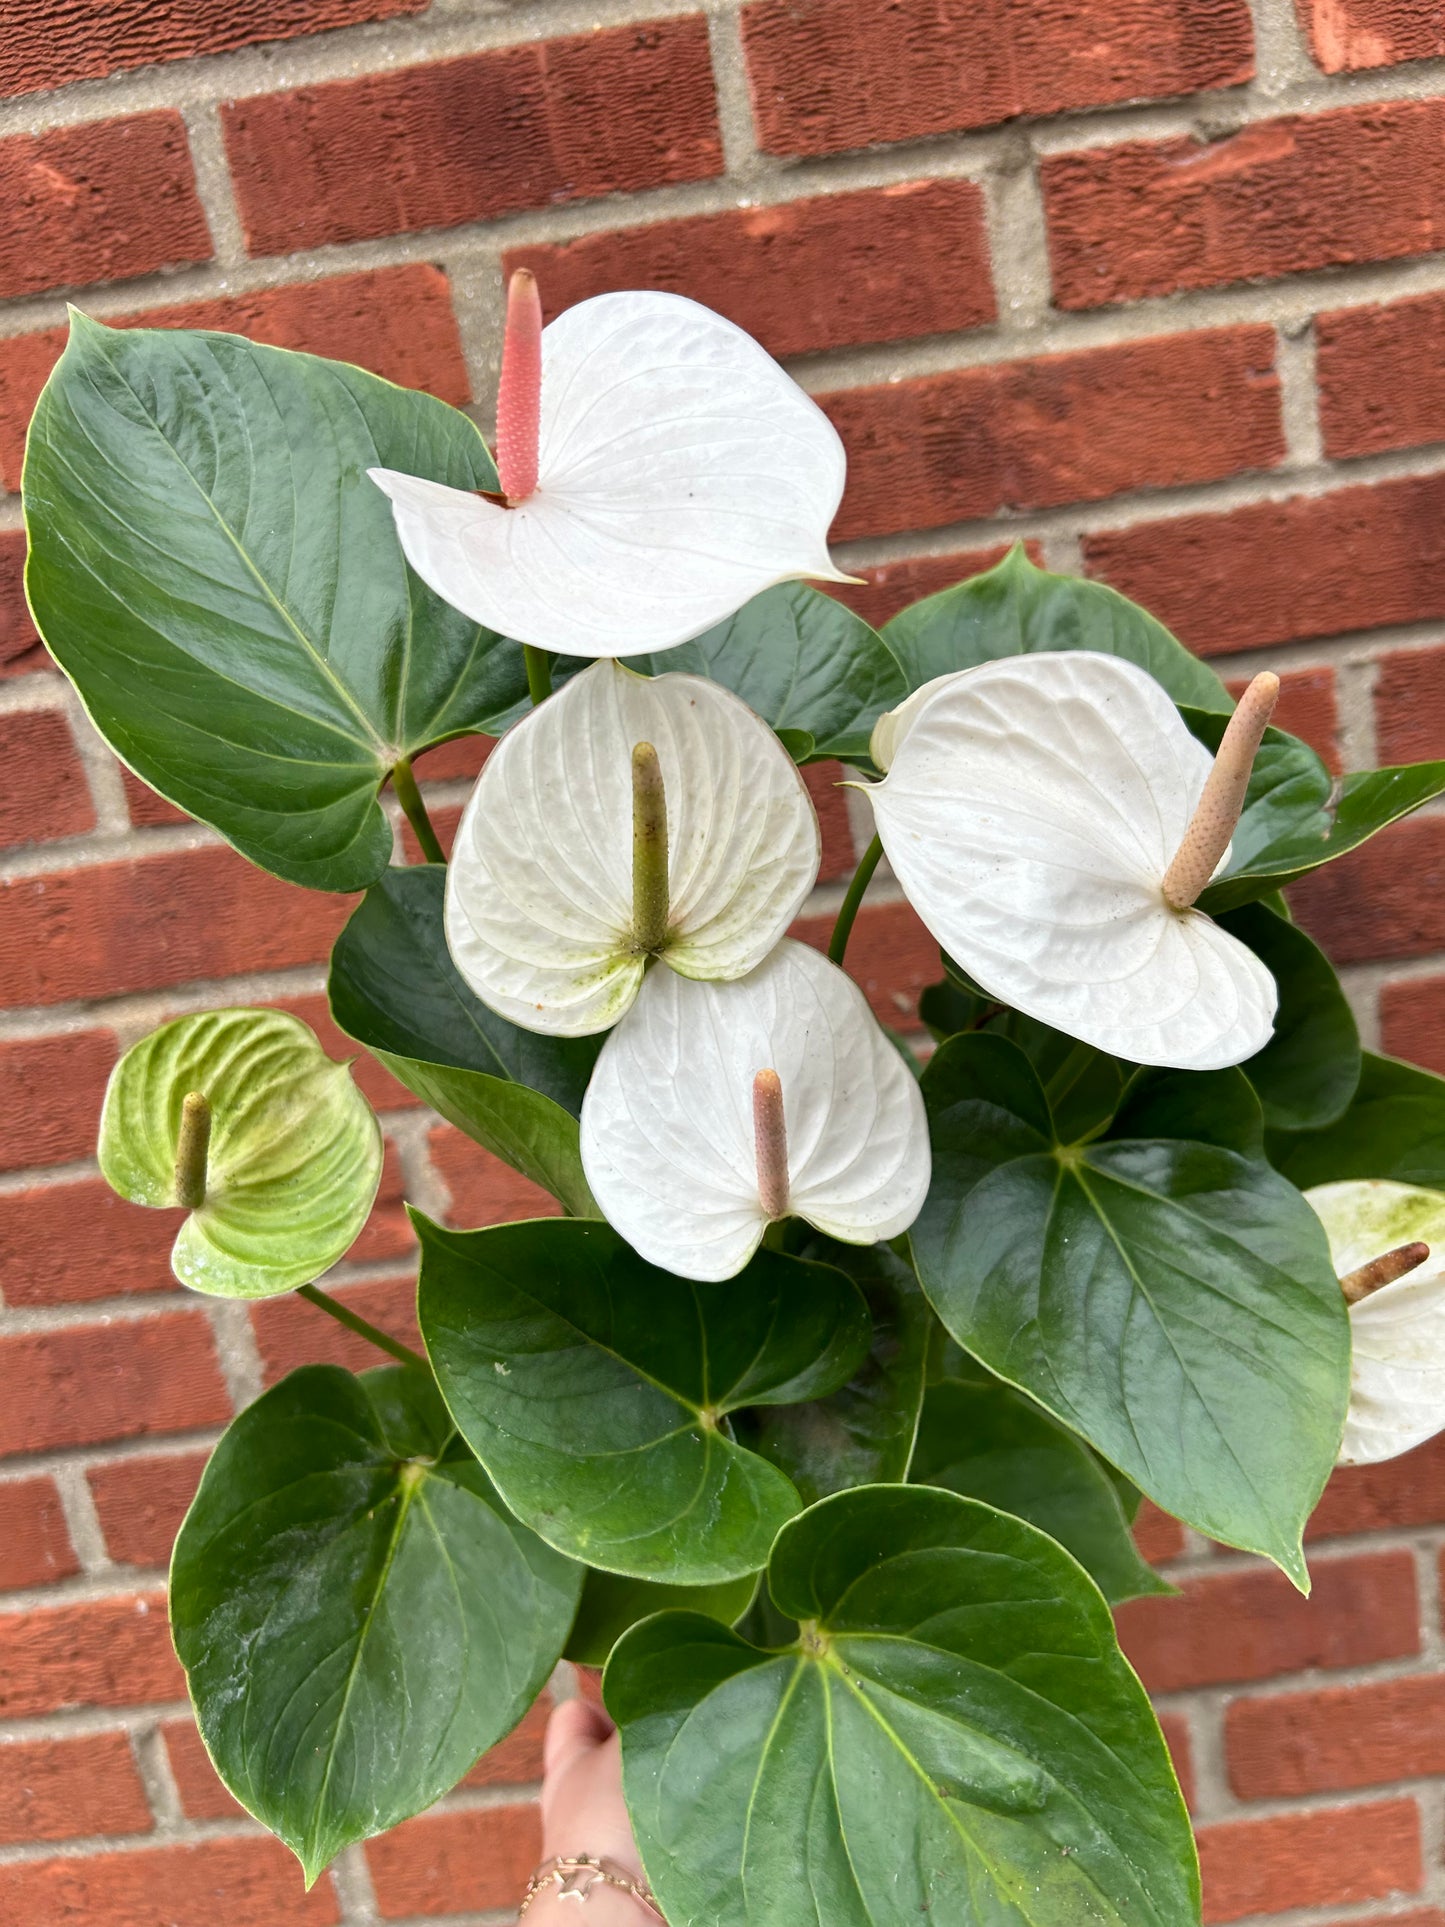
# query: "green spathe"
[358,1615]
[956,1738]
[294,1154]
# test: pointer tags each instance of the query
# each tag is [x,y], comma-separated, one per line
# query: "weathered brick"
[883,264]
[1175,1728]
[92,1652]
[120,1378]
[21,650]
[72,1242]
[289,1332]
[1410,705]
[52,43]
[1321,565]
[1412,1025]
[43,793]
[889,587]
[34,1538]
[451,1863]
[1310,1859]
[1384,900]
[1253,1624]
[483,1189]
[146,808]
[1308,191]
[141,1502]
[104,201]
[1381,376]
[1346,35]
[50,1096]
[1064,428]
[203,1797]
[249,1882]
[1328,1742]
[151,921]
[833,74]
[64,1789]
[470,139]
[1308,707]
[890,955]
[1158,1537]
[516,1760]
[398,322]
[1408,1491]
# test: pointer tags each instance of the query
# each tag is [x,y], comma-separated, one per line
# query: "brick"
[146,808]
[1308,707]
[1350,1736]
[152,921]
[833,74]
[21,650]
[387,1233]
[1253,1624]
[289,1332]
[516,1760]
[105,201]
[885,264]
[49,44]
[93,1652]
[830,800]
[35,1543]
[1323,565]
[1386,899]
[50,1096]
[452,1863]
[471,139]
[890,955]
[1310,1859]
[1286,196]
[1408,1491]
[1175,1728]
[460,760]
[1158,1537]
[202,1795]
[43,792]
[120,1378]
[397,322]
[1380,372]
[141,1502]
[1346,35]
[64,1789]
[483,1189]
[1412,1025]
[250,1882]
[1064,428]
[1410,705]
[889,587]
[64,1244]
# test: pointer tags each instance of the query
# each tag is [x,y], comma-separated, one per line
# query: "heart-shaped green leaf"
[294,1154]
[1015,609]
[394,988]
[1161,1290]
[1307,1073]
[357,1614]
[611,1603]
[1393,1128]
[956,1738]
[987,1441]
[213,570]
[595,1388]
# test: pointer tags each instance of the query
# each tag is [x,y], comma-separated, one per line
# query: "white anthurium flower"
[718,1108]
[1052,821]
[629,817]
[658,469]
[1388,1245]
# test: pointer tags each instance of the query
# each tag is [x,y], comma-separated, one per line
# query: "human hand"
[583,1812]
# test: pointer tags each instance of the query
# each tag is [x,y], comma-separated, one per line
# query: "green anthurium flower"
[240,1116]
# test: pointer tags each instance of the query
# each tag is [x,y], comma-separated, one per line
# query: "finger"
[576,1727]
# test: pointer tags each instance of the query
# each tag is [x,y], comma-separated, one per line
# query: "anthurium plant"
[819,1410]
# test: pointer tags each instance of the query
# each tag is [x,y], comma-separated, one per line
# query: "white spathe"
[1031,808]
[1397,1334]
[539,895]
[668,1141]
[680,473]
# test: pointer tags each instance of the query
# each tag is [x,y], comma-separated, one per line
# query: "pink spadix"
[519,394]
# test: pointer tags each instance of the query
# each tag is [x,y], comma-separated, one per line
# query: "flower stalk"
[862,877]
[363,1327]
[193,1144]
[1217,814]
[403,781]
[770,1140]
[650,899]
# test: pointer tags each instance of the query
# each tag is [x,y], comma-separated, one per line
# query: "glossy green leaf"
[212,569]
[1393,1128]
[595,1388]
[294,1158]
[863,1433]
[358,1616]
[987,1441]
[1307,1073]
[394,988]
[1161,1290]
[957,1739]
[1015,609]
[610,1604]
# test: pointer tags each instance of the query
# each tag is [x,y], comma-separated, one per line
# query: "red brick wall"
[1156,284]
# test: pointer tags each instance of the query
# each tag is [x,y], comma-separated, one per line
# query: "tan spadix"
[1217,813]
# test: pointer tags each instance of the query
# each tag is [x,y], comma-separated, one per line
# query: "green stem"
[862,877]
[409,796]
[353,1321]
[539,673]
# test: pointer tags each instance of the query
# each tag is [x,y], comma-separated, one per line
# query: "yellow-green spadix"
[1052,821]
[718,1108]
[629,817]
[1380,1230]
